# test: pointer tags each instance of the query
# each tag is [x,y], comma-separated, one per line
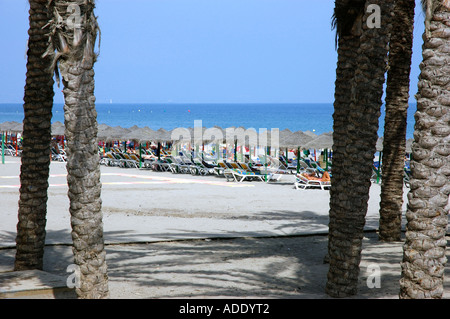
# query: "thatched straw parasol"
[379,145]
[214,134]
[163,135]
[58,128]
[409,145]
[312,134]
[141,134]
[295,139]
[11,126]
[112,133]
[323,141]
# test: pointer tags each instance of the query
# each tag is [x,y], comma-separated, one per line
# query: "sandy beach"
[181,236]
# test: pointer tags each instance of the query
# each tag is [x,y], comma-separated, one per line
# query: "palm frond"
[344,16]
[424,5]
[69,41]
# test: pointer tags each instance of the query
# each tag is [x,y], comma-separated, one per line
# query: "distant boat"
[110,101]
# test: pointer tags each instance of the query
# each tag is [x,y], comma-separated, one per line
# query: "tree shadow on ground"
[8,238]
[267,223]
[283,267]
[264,267]
[261,267]
[57,253]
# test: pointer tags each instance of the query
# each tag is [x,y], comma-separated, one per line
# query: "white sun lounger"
[241,175]
[302,182]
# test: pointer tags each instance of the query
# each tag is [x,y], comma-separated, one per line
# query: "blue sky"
[200,51]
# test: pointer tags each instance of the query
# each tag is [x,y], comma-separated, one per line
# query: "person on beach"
[326,177]
[312,176]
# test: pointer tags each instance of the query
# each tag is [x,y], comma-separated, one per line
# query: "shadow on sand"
[258,267]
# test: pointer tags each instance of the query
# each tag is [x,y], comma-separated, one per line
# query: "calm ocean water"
[304,116]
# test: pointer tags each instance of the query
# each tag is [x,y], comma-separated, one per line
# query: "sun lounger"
[221,169]
[243,175]
[234,165]
[198,168]
[246,167]
[239,175]
[56,156]
[173,166]
[127,161]
[130,161]
[274,177]
[276,167]
[283,169]
[304,181]
[407,177]
[123,161]
[145,163]
[376,175]
[287,164]
[160,165]
[228,174]
[209,164]
[179,165]
[104,160]
[112,160]
[11,150]
[260,171]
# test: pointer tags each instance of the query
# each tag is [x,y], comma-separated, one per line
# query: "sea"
[314,117]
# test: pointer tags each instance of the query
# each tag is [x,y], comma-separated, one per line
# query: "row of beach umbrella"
[285,138]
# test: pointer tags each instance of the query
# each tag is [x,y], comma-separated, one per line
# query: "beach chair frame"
[199,169]
[240,175]
[221,169]
[302,182]
[130,161]
[111,160]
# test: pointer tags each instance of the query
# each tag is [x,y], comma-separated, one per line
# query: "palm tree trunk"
[359,87]
[394,142]
[348,45]
[35,160]
[83,168]
[428,200]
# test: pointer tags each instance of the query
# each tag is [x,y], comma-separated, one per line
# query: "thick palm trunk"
[394,143]
[83,169]
[428,200]
[34,173]
[359,87]
[338,277]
